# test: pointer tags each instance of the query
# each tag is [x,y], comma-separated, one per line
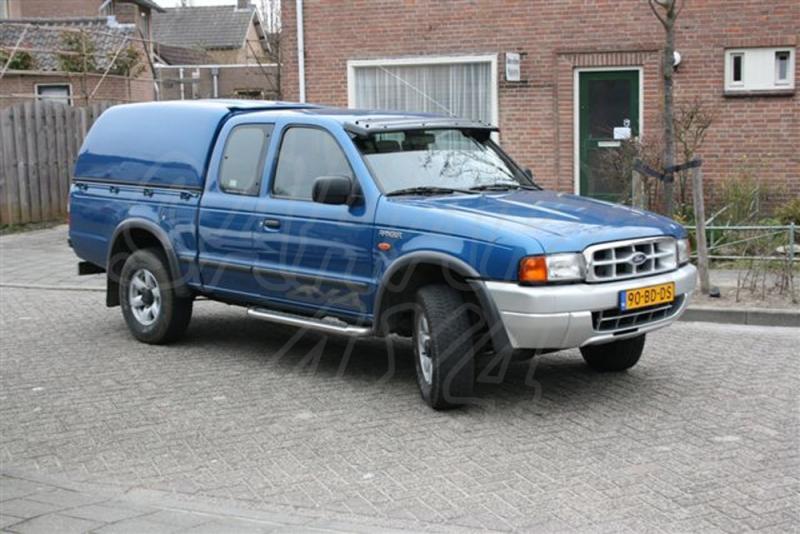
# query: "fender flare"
[172,258]
[493,318]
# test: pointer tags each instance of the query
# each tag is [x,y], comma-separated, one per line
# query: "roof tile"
[46,34]
[210,27]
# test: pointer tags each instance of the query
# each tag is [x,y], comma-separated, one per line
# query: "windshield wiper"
[500,186]
[428,190]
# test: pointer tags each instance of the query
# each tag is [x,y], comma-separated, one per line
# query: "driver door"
[311,256]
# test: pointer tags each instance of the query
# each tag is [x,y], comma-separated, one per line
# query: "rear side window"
[306,154]
[243,159]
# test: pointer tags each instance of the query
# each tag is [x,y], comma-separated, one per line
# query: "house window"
[458,86]
[736,65]
[249,94]
[759,70]
[55,92]
[782,59]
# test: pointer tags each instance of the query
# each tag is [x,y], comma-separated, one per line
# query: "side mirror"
[332,190]
[528,173]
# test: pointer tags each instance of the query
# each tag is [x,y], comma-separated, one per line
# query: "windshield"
[440,160]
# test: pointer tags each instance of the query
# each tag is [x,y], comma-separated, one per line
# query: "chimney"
[243,4]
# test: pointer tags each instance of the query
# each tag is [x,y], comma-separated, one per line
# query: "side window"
[243,159]
[306,154]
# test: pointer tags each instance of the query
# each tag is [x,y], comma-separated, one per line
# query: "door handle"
[271,224]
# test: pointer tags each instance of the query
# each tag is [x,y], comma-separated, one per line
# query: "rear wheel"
[152,310]
[615,356]
[443,350]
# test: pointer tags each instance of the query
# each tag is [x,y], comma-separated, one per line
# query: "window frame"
[262,160]
[42,98]
[353,64]
[778,80]
[732,81]
[759,70]
[277,158]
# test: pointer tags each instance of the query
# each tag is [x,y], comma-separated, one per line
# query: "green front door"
[609,105]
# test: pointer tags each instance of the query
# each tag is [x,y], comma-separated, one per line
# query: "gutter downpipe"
[301,52]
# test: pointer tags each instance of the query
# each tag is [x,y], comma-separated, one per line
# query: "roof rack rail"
[367,126]
[264,105]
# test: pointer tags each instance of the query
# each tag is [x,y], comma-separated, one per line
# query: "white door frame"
[576,115]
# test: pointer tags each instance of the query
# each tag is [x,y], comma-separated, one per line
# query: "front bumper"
[566,316]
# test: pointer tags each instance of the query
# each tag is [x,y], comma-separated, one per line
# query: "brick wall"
[59,8]
[536,115]
[18,88]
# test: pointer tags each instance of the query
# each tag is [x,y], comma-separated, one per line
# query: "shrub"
[21,61]
[742,199]
[127,63]
[789,212]
[79,54]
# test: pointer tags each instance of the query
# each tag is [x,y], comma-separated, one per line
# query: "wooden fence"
[39,142]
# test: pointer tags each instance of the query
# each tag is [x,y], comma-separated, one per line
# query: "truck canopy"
[158,143]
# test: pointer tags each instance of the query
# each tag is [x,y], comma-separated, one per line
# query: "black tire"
[174,312]
[451,373]
[615,356]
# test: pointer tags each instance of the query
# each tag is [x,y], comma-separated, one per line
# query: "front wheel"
[443,348]
[152,310]
[615,356]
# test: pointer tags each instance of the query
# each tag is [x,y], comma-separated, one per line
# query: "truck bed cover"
[162,144]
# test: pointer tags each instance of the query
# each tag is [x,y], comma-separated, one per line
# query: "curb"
[282,518]
[745,316]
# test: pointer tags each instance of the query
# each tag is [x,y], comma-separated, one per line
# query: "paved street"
[703,435]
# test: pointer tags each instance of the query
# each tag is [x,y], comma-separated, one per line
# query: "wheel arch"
[136,234]
[400,281]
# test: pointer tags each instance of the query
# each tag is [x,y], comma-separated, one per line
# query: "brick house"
[213,52]
[564,80]
[34,27]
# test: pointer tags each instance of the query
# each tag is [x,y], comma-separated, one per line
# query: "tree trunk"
[700,220]
[669,125]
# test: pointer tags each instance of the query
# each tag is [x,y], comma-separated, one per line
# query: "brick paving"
[703,435]
[42,258]
[37,505]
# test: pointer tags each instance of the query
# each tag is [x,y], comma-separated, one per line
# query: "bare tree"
[667,11]
[271,13]
[692,121]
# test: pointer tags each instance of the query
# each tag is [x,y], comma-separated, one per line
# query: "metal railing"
[755,238]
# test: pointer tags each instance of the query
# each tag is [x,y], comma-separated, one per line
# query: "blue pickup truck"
[366,223]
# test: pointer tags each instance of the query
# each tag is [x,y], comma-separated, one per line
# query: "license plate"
[646,296]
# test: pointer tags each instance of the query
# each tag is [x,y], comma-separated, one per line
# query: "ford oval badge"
[638,258]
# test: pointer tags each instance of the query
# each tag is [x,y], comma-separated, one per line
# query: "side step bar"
[327,324]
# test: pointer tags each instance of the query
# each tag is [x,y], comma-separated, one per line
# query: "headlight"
[552,268]
[684,251]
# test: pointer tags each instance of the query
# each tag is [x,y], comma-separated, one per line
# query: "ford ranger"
[366,223]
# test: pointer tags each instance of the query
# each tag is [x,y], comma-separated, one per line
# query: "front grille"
[621,260]
[615,319]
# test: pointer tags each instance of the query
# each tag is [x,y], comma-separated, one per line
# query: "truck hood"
[560,222]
